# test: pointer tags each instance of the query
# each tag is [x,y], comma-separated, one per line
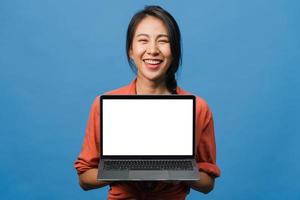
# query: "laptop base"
[148,175]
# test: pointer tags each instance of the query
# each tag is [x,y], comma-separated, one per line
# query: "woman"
[154,52]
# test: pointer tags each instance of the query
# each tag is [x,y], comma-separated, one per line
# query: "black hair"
[174,38]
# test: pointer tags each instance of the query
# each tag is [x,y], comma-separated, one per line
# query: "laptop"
[147,138]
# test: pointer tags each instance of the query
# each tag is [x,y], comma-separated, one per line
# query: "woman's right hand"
[88,180]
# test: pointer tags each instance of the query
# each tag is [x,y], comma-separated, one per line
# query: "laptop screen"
[147,127]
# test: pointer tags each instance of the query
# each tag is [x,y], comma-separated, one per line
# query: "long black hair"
[174,38]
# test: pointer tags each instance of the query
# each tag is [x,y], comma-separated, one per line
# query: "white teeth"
[153,62]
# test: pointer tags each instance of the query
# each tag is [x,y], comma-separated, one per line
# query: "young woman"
[153,50]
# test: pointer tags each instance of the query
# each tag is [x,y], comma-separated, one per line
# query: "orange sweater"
[205,153]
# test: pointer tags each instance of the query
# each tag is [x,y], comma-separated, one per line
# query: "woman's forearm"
[204,185]
[88,180]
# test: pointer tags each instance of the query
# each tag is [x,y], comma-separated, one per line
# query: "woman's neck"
[144,86]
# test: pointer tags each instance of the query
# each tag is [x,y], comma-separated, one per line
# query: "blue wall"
[241,56]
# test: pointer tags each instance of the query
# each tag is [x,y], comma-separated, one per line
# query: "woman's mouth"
[152,64]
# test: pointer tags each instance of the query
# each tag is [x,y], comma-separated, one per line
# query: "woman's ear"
[130,53]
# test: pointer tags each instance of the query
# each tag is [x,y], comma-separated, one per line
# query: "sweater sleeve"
[90,151]
[205,140]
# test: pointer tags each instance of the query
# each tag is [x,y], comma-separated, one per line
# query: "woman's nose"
[152,49]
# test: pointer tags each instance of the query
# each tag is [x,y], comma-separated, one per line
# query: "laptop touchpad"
[144,175]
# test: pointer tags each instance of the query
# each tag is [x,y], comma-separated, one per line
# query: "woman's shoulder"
[119,91]
[203,111]
[200,101]
[127,89]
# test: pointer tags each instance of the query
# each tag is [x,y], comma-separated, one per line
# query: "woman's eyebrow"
[162,35]
[146,35]
[142,34]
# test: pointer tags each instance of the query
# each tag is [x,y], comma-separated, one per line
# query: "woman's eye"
[163,41]
[142,40]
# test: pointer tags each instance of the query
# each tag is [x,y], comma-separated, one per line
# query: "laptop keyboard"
[148,165]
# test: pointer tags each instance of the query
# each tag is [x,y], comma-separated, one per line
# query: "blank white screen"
[147,126]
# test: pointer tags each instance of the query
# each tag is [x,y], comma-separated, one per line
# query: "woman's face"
[150,49]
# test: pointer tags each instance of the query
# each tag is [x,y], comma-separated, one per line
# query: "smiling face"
[150,49]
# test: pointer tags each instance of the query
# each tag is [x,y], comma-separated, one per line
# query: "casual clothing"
[205,153]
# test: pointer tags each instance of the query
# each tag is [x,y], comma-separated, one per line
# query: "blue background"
[242,57]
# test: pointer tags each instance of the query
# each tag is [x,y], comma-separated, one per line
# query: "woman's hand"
[204,185]
[88,180]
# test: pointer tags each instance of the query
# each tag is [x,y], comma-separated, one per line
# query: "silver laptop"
[147,137]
